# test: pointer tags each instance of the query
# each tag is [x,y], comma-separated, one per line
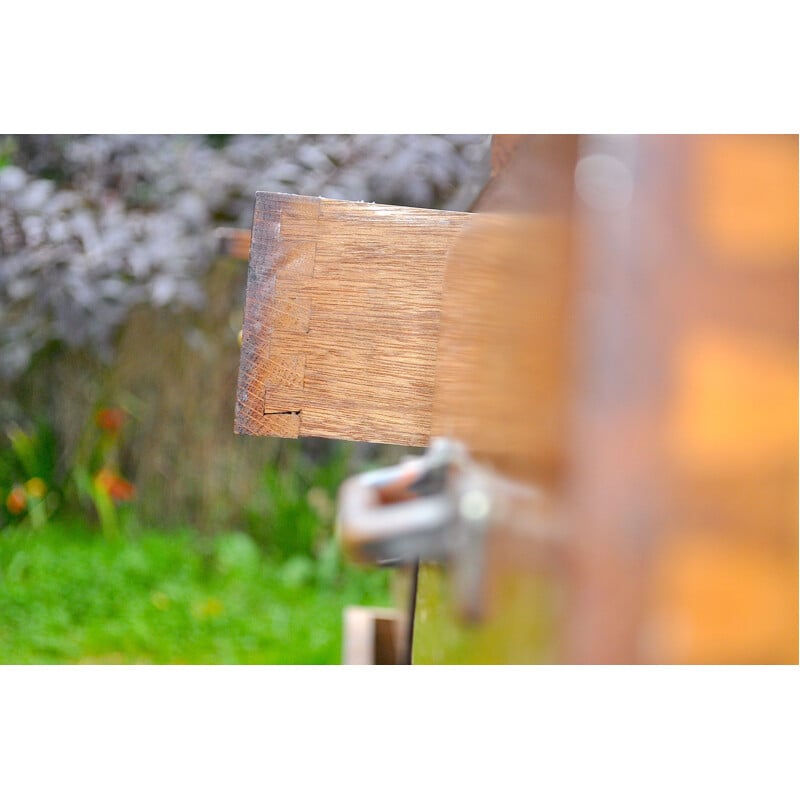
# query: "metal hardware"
[439,508]
[401,513]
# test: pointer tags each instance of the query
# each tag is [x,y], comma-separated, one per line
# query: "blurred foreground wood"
[615,324]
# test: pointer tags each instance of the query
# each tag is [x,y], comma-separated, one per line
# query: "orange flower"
[17,500]
[110,419]
[122,491]
[114,485]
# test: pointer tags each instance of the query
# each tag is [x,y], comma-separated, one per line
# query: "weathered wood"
[342,319]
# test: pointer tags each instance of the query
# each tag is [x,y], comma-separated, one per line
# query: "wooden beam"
[342,319]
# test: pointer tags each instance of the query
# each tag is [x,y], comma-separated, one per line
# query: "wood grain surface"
[342,319]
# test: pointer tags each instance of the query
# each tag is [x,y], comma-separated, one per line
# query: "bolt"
[474,505]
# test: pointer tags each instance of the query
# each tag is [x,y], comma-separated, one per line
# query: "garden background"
[134,526]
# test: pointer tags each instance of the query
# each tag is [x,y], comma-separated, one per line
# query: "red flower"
[122,491]
[114,485]
[110,419]
[17,500]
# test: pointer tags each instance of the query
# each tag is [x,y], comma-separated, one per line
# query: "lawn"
[172,597]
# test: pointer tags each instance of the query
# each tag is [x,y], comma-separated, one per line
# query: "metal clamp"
[401,513]
[438,508]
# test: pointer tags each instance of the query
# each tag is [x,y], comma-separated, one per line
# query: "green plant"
[99,480]
[8,147]
[32,488]
[294,513]
[169,597]
[28,479]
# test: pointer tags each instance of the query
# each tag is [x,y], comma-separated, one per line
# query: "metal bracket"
[438,508]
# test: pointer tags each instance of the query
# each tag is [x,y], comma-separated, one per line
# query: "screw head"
[474,505]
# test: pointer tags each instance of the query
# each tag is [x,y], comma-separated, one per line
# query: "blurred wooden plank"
[504,145]
[502,351]
[724,580]
[342,319]
[659,408]
[501,389]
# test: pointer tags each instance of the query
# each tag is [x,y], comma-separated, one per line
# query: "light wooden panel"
[342,319]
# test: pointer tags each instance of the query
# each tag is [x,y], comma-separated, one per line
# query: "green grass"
[68,596]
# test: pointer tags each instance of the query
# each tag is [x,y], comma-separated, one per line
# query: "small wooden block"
[371,635]
[342,319]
